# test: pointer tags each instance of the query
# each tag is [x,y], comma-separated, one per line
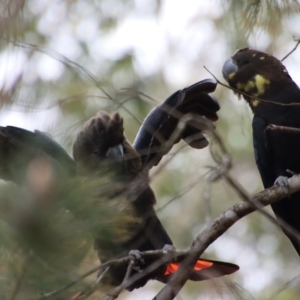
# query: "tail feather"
[203,270]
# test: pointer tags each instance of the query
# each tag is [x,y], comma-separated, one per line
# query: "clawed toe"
[136,259]
[283,182]
[169,248]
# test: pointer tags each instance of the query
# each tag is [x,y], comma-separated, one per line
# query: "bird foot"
[282,181]
[136,258]
[168,248]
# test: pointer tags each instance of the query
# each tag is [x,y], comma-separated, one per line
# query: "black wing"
[261,151]
[160,124]
[19,147]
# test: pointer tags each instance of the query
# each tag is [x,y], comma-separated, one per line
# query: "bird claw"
[136,258]
[282,181]
[168,248]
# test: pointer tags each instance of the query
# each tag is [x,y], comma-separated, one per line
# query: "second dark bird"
[103,154]
[101,145]
[274,98]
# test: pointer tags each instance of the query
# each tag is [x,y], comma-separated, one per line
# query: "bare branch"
[273,127]
[217,228]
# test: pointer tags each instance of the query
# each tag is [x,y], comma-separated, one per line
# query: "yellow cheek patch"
[231,75]
[240,86]
[250,85]
[261,83]
[246,87]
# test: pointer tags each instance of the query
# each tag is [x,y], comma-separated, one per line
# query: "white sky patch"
[66,44]
[43,119]
[267,244]
[53,13]
[177,14]
[144,37]
[87,30]
[259,40]
[49,68]
[226,248]
[257,279]
[12,64]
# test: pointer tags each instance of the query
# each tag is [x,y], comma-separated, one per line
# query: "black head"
[256,74]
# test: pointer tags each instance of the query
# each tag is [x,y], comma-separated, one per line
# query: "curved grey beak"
[229,68]
[115,152]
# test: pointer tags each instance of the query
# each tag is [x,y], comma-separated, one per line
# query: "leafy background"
[61,61]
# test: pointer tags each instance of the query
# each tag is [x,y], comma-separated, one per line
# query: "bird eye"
[96,152]
[245,61]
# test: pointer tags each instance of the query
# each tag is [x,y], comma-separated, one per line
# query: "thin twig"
[114,294]
[293,50]
[53,293]
[185,190]
[158,254]
[247,95]
[92,289]
[207,203]
[284,287]
[71,64]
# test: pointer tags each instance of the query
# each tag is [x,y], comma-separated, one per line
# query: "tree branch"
[293,50]
[274,127]
[217,228]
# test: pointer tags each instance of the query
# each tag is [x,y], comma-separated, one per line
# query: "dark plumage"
[101,152]
[20,147]
[274,99]
[154,138]
[93,148]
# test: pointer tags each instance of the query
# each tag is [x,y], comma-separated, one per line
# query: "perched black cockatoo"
[102,144]
[274,98]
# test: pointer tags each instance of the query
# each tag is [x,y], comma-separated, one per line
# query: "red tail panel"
[200,265]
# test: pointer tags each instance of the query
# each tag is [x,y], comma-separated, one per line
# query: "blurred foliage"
[264,15]
[61,61]
[47,232]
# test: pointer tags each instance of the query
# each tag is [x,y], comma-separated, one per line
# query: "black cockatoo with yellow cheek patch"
[274,98]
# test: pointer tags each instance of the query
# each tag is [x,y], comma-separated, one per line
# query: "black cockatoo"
[274,98]
[101,150]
